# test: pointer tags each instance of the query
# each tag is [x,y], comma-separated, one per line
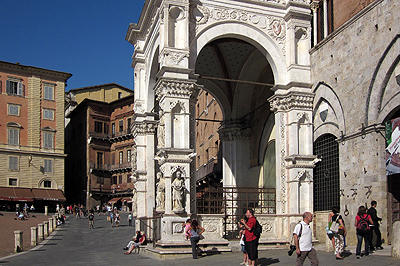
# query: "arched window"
[326,173]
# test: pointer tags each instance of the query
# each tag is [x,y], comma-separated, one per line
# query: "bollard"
[46,210]
[40,232]
[18,240]
[34,236]
[396,240]
[55,221]
[50,225]
[45,229]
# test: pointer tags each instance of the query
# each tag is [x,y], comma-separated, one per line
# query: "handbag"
[335,226]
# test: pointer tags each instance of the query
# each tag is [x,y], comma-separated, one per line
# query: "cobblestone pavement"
[75,244]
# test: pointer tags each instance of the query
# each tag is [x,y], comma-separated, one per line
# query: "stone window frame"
[13,166]
[48,166]
[10,105]
[52,111]
[48,134]
[13,128]
[48,91]
[19,89]
[10,179]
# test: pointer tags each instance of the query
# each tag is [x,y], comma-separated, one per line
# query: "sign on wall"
[392,129]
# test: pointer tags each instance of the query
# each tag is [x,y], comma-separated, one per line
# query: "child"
[242,245]
[186,225]
[91,220]
[117,218]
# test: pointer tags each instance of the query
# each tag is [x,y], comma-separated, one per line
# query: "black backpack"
[362,225]
[257,229]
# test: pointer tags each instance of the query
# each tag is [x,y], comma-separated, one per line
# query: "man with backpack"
[303,240]
[251,242]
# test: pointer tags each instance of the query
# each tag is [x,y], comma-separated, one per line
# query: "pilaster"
[292,105]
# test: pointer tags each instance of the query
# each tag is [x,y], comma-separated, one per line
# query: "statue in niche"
[160,197]
[161,132]
[134,202]
[178,192]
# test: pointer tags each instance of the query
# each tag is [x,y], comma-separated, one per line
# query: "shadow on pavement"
[269,261]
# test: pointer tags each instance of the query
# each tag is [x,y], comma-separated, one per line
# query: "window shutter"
[8,85]
[20,88]
[13,163]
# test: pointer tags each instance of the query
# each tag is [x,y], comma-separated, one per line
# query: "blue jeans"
[194,241]
[360,237]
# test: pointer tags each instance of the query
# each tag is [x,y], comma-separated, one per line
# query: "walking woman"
[362,227]
[338,236]
[194,230]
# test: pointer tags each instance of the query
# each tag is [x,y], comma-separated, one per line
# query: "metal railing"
[233,202]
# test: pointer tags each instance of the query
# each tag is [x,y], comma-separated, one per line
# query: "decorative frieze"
[274,26]
[144,128]
[294,100]
[175,88]
[229,134]
[174,56]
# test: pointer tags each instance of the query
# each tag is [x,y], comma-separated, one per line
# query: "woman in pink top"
[362,227]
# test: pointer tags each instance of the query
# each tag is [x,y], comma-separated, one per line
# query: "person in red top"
[251,240]
[362,218]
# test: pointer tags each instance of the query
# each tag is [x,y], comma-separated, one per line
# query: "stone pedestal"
[18,246]
[34,236]
[45,229]
[396,240]
[40,232]
[51,228]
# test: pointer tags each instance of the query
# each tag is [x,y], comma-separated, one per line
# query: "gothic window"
[326,173]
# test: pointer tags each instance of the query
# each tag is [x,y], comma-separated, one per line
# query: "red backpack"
[362,225]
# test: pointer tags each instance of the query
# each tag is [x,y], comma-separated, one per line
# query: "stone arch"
[378,104]
[324,94]
[248,33]
[41,182]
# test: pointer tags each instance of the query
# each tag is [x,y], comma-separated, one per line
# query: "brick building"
[208,159]
[31,134]
[99,145]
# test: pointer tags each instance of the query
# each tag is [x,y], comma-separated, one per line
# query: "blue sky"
[83,37]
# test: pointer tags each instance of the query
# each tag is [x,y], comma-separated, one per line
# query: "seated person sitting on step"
[132,245]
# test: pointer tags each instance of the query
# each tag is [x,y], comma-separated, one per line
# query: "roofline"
[100,86]
[35,70]
[87,102]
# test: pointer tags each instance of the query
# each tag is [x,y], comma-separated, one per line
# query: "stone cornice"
[292,100]
[30,70]
[175,88]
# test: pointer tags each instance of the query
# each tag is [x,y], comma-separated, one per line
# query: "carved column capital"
[175,88]
[290,101]
[228,134]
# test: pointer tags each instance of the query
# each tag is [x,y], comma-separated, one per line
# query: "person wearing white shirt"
[303,240]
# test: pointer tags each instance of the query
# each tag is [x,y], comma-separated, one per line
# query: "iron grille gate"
[233,202]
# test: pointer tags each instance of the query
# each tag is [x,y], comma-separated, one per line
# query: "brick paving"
[75,244]
[8,225]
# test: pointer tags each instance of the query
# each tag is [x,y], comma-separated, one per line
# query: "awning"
[48,194]
[126,199]
[114,200]
[28,194]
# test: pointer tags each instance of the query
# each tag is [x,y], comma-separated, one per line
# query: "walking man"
[303,240]
[374,227]
[251,242]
